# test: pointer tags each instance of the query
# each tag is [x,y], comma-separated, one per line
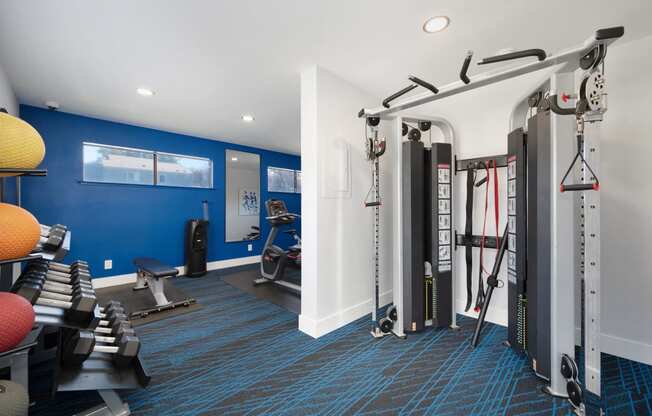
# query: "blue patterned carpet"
[242,356]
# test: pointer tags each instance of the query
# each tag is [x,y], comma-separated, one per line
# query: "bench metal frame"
[156,286]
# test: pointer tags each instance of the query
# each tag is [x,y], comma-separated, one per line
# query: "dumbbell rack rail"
[6,269]
[21,259]
[25,172]
[46,255]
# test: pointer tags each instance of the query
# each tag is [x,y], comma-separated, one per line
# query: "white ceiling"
[212,61]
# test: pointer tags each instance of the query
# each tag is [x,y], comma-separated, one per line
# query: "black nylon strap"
[468,232]
[479,299]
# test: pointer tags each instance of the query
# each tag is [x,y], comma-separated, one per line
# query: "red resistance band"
[486,208]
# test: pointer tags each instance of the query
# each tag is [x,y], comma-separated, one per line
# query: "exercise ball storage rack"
[6,266]
[96,373]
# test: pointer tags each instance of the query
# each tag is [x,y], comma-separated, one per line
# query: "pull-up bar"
[598,41]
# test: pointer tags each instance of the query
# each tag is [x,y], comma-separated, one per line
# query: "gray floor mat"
[243,280]
[138,300]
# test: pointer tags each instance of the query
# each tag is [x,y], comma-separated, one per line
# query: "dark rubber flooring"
[243,280]
[140,300]
[239,355]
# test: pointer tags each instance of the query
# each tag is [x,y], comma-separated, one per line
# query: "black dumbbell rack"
[97,372]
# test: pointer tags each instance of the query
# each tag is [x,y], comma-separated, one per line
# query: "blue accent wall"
[121,222]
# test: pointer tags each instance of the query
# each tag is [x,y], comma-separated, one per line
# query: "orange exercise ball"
[19,232]
[21,146]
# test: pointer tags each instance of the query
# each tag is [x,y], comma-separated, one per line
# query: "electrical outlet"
[250,247]
[108,264]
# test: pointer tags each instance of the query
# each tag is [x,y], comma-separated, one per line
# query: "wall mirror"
[242,196]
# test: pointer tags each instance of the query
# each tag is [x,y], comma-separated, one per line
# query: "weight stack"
[413,236]
[196,247]
[517,234]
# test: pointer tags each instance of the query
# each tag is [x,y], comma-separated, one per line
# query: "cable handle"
[593,186]
[580,187]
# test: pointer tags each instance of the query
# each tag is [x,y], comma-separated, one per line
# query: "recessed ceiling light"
[234,159]
[145,92]
[436,24]
[248,118]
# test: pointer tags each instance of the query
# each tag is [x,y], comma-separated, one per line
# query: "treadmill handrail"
[275,217]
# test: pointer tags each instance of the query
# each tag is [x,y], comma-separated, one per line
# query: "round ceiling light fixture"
[145,92]
[234,159]
[247,118]
[436,24]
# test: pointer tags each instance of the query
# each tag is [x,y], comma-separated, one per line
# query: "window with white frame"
[123,165]
[283,180]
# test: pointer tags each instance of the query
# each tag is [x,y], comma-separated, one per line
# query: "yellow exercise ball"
[19,232]
[21,146]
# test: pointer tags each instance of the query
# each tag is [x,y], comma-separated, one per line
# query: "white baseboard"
[495,315]
[621,347]
[225,264]
[130,278]
[320,327]
[122,279]
[627,348]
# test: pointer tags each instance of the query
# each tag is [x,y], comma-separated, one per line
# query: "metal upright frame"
[562,270]
[562,282]
[562,221]
[590,242]
[375,282]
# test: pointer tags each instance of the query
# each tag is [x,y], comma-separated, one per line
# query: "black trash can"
[196,247]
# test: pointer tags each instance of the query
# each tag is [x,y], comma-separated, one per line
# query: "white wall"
[336,279]
[7,97]
[627,202]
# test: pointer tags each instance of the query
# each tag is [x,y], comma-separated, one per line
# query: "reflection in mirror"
[242,196]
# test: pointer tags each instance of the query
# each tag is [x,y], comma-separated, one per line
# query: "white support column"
[562,285]
[397,284]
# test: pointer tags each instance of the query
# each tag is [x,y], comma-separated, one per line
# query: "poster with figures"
[248,202]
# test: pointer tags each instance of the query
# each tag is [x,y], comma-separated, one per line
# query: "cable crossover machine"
[553,189]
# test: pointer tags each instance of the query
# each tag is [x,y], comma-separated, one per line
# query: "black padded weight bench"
[151,274]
